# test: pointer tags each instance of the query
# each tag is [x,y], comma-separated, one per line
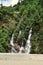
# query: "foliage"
[27,14]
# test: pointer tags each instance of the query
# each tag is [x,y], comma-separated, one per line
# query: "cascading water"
[22,48]
[28,45]
[12,45]
[27,48]
[19,34]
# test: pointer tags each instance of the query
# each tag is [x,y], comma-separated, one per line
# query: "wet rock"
[17,47]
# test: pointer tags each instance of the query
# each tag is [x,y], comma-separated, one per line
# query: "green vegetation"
[23,16]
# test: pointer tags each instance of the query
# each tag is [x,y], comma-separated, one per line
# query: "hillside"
[21,17]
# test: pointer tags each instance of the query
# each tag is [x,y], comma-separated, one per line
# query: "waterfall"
[19,34]
[28,45]
[22,48]
[27,48]
[12,44]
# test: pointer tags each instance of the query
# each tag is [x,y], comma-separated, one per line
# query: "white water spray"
[19,34]
[22,48]
[12,45]
[28,45]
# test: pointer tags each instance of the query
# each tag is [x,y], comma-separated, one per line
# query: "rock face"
[17,47]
